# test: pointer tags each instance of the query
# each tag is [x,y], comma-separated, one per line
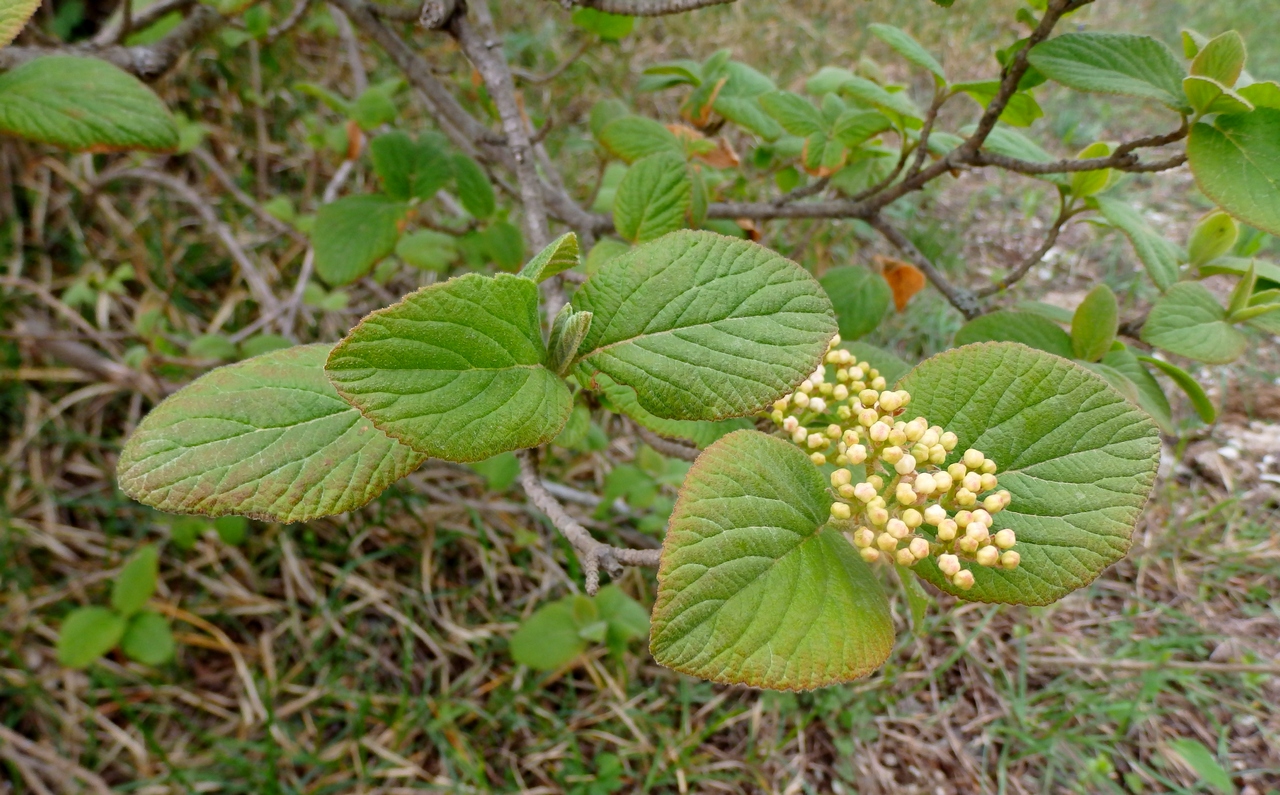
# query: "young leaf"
[87,634]
[1149,394]
[408,169]
[1190,322]
[1207,95]
[1203,762]
[622,399]
[1199,400]
[1078,458]
[499,472]
[1020,110]
[705,326]
[1236,162]
[567,333]
[1159,255]
[1087,183]
[626,618]
[610,27]
[428,250]
[1221,59]
[1214,235]
[549,638]
[853,128]
[1005,325]
[84,103]
[793,112]
[908,48]
[456,370]
[631,138]
[1263,94]
[876,96]
[267,437]
[754,587]
[231,529]
[860,298]
[737,100]
[353,233]
[1113,63]
[653,198]
[1240,295]
[13,15]
[1095,323]
[136,581]
[560,255]
[474,189]
[148,639]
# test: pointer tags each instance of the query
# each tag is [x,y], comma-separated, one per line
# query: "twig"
[220,174]
[359,77]
[643,8]
[435,14]
[81,356]
[1154,665]
[114,31]
[593,554]
[545,77]
[287,24]
[1065,213]
[668,447]
[960,297]
[802,192]
[940,96]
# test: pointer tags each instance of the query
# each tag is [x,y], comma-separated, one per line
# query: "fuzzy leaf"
[1236,162]
[560,255]
[631,138]
[754,588]
[1159,255]
[704,326]
[702,433]
[267,437]
[653,198]
[860,298]
[1113,63]
[1190,322]
[408,168]
[13,15]
[1005,325]
[457,370]
[796,115]
[1078,458]
[1095,323]
[353,233]
[87,634]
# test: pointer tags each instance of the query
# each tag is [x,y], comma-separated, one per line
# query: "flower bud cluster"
[910,506]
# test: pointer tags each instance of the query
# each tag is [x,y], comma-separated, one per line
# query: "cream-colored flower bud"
[790,424]
[878,382]
[935,514]
[777,416]
[870,554]
[864,537]
[857,454]
[966,498]
[925,484]
[800,434]
[850,437]
[957,471]
[846,358]
[912,518]
[987,556]
[834,431]
[1010,560]
[835,340]
[915,429]
[981,515]
[826,390]
[848,491]
[833,357]
[868,417]
[919,548]
[876,480]
[891,455]
[801,398]
[1004,538]
[841,477]
[840,511]
[943,481]
[905,465]
[782,403]
[817,404]
[855,387]
[897,438]
[844,412]
[978,532]
[948,564]
[972,482]
[806,387]
[818,375]
[949,440]
[919,452]
[930,438]
[840,392]
[904,557]
[905,495]
[993,503]
[904,397]
[817,440]
[966,545]
[868,397]
[937,456]
[886,542]
[963,579]
[1005,497]
[818,459]
[988,467]
[841,460]
[947,530]
[857,373]
[989,481]
[889,401]
[879,432]
[877,515]
[897,528]
[963,518]
[842,375]
[973,458]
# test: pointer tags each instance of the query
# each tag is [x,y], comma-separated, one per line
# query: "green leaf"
[1113,63]
[908,48]
[474,189]
[499,472]
[622,399]
[918,599]
[627,618]
[1199,400]
[1236,162]
[1078,458]
[549,639]
[504,244]
[754,588]
[1087,183]
[136,582]
[353,233]
[1095,323]
[1012,143]
[375,107]
[796,115]
[1188,321]
[408,169]
[1005,325]
[653,198]
[876,96]
[890,365]
[738,100]
[860,298]
[1213,236]
[1209,96]
[1264,94]
[231,530]
[855,127]
[567,333]
[259,344]
[1240,295]
[428,250]
[610,27]
[1221,59]
[1202,760]
[456,370]
[705,326]
[1159,255]
[148,639]
[13,15]
[267,437]
[1020,110]
[1239,266]
[87,634]
[631,138]
[559,256]
[84,103]
[1150,397]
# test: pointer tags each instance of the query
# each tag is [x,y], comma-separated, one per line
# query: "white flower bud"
[1005,497]
[844,412]
[868,397]
[988,481]
[817,404]
[982,516]
[790,424]
[840,511]
[934,514]
[904,397]
[847,491]
[865,492]
[841,477]
[949,440]
[825,389]
[925,484]
[856,454]
[864,537]
[967,545]
[850,437]
[948,564]
[878,382]
[890,402]
[879,432]
[963,518]
[781,404]
[840,392]
[963,579]
[972,482]
[988,556]
[897,437]
[806,387]
[834,431]
[905,465]
[966,498]
[886,542]
[818,375]
[920,452]
[957,471]
[800,434]
[869,417]
[876,480]
[842,375]
[870,555]
[942,481]
[915,429]
[930,438]
[818,459]
[947,530]
[919,548]
[904,557]
[897,528]
[800,398]
[977,531]
[973,458]
[891,455]
[912,518]
[904,494]
[1005,539]
[937,456]
[835,340]
[816,440]
[988,467]
[993,503]
[833,357]
[877,515]
[1010,560]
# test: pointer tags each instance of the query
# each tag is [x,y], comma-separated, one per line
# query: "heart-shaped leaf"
[1190,322]
[1078,458]
[754,588]
[352,234]
[457,370]
[268,437]
[704,326]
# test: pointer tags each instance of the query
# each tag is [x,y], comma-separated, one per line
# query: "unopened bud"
[800,434]
[844,412]
[864,537]
[948,440]
[840,392]
[966,498]
[1005,538]
[870,554]
[934,514]
[915,429]
[886,542]
[925,484]
[942,481]
[963,518]
[972,482]
[920,452]
[988,467]
[868,397]
[988,482]
[904,494]
[848,491]
[891,455]
[865,492]
[876,480]
[981,515]
[834,431]
[977,531]
[963,579]
[817,404]
[842,375]
[919,548]
[988,556]
[790,424]
[1010,560]
[878,382]
[957,471]
[993,503]
[897,437]
[877,515]
[777,416]
[897,528]
[890,402]
[947,530]
[869,417]
[817,440]
[930,438]
[841,477]
[967,545]
[912,518]
[904,557]
[818,459]
[806,387]
[840,511]
[973,458]
[948,564]
[856,454]
[879,432]
[905,465]
[937,456]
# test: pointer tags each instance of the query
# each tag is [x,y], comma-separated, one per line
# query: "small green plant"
[559,632]
[143,635]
